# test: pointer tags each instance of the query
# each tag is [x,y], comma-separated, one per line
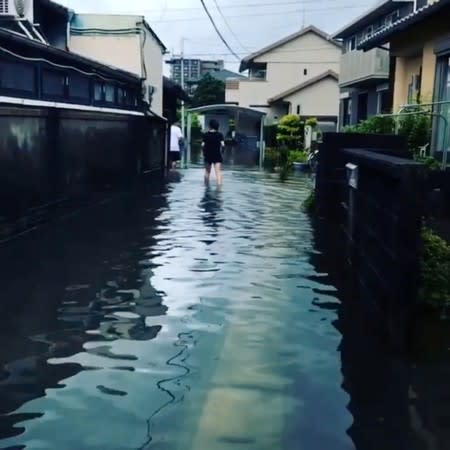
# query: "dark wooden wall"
[49,156]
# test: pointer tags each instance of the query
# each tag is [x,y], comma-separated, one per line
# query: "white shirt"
[175,135]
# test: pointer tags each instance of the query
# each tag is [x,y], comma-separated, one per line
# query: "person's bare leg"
[218,170]
[207,173]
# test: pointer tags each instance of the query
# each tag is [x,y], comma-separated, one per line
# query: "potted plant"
[298,159]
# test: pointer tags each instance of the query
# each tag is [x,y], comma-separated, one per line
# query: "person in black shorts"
[213,145]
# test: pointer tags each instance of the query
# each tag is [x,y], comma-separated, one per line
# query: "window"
[369,32]
[53,84]
[110,93]
[305,72]
[258,72]
[363,103]
[298,110]
[384,101]
[442,94]
[414,88]
[79,88]
[17,77]
[346,112]
[98,91]
[121,96]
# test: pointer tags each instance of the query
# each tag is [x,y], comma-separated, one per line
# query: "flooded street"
[185,317]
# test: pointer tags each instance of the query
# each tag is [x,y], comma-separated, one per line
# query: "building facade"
[194,70]
[33,71]
[126,42]
[282,76]
[420,49]
[365,81]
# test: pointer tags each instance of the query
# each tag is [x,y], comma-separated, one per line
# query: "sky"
[247,25]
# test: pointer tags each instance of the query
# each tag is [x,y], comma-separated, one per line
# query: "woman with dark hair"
[213,145]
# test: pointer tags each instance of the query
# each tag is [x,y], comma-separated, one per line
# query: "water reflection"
[389,408]
[63,317]
[193,318]
[212,208]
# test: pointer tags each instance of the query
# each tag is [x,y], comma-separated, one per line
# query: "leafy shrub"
[373,125]
[309,203]
[291,131]
[416,129]
[297,156]
[312,122]
[435,270]
[270,159]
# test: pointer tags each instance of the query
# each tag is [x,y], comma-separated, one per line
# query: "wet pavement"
[187,317]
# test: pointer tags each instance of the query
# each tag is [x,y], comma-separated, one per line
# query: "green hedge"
[435,270]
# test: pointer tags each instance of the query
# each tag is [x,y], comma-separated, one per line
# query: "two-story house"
[126,42]
[296,75]
[364,76]
[37,70]
[420,49]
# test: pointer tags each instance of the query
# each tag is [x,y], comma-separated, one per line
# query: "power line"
[295,50]
[228,26]
[283,13]
[217,30]
[240,6]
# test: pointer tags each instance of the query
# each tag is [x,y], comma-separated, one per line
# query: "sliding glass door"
[442,94]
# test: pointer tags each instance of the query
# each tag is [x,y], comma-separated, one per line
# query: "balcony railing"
[358,66]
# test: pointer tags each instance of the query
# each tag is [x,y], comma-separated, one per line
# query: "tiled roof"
[383,35]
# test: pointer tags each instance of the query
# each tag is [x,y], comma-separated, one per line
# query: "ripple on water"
[194,324]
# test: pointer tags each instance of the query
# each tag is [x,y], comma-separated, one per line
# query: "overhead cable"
[228,26]
[218,31]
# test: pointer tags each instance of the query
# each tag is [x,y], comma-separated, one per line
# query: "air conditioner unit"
[19,9]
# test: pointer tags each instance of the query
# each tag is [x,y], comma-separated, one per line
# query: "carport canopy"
[234,112]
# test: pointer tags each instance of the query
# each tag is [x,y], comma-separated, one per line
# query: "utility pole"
[183,122]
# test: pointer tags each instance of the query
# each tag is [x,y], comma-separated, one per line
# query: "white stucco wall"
[320,99]
[122,52]
[285,69]
[153,60]
[286,64]
[127,52]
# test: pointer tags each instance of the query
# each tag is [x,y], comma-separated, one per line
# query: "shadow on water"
[392,402]
[86,279]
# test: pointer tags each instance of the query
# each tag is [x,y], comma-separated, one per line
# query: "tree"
[290,132]
[210,91]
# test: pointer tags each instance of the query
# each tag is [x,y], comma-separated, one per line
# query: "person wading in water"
[213,145]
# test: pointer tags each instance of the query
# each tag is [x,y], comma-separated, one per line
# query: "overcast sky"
[252,23]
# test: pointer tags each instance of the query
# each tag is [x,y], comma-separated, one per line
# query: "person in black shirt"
[213,145]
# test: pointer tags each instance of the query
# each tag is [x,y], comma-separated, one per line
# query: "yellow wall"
[428,72]
[418,43]
[405,69]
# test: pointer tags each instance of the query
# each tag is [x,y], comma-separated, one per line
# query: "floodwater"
[187,317]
